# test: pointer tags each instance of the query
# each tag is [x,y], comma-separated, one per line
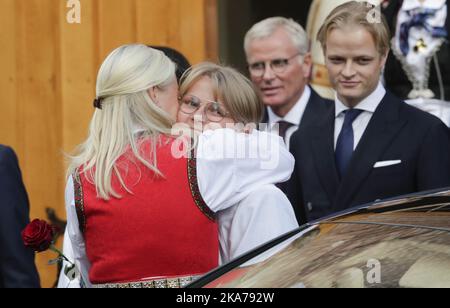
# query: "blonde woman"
[217,97]
[137,215]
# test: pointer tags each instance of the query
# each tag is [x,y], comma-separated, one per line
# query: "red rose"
[38,235]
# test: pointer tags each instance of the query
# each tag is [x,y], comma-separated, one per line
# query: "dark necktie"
[345,142]
[283,127]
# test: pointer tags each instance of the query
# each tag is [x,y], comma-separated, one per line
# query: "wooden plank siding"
[49,69]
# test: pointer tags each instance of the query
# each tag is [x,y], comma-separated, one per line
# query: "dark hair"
[177,57]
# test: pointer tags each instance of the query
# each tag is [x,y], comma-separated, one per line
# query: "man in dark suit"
[279,64]
[17,268]
[369,144]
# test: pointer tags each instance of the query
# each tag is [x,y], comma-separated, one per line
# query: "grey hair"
[267,27]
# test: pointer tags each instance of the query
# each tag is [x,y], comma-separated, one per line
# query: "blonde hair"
[268,26]
[355,13]
[231,87]
[122,84]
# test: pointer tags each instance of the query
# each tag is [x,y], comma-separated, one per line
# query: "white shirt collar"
[295,115]
[429,4]
[370,103]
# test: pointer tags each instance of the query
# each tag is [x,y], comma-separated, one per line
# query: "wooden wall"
[48,76]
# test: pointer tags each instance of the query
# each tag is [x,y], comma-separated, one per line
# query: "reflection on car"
[402,242]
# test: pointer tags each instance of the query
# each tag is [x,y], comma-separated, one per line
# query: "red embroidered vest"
[162,229]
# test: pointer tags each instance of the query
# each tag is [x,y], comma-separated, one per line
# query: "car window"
[352,253]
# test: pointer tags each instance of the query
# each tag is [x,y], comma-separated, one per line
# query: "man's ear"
[307,58]
[307,64]
[384,58]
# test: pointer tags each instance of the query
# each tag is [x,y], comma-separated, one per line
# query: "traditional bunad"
[418,67]
[163,232]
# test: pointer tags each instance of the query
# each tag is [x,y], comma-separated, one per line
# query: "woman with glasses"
[213,97]
[138,214]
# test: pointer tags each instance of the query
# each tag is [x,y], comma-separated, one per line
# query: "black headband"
[98,103]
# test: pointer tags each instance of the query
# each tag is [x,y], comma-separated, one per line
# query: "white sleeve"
[230,165]
[262,216]
[74,247]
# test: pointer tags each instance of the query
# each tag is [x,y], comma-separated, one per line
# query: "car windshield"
[404,248]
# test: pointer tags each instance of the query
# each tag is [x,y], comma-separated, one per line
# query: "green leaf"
[54,261]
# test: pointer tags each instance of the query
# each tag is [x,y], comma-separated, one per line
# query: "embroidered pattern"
[193,184]
[428,37]
[79,201]
[164,283]
[419,86]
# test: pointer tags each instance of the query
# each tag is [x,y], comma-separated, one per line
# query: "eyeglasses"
[278,66]
[213,111]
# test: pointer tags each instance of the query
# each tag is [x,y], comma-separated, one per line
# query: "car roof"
[430,211]
[426,210]
[430,203]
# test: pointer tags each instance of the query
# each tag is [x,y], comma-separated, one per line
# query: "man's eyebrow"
[354,57]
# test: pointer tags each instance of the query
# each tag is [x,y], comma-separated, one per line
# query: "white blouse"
[263,215]
[236,173]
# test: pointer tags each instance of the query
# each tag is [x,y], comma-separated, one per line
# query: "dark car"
[402,242]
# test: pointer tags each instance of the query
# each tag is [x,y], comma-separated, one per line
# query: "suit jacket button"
[309,205]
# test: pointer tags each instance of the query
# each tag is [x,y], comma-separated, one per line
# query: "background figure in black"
[177,57]
[17,268]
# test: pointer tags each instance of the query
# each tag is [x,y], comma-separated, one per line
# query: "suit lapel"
[382,129]
[322,143]
[313,111]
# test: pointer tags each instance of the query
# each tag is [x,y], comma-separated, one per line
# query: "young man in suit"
[369,144]
[17,268]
